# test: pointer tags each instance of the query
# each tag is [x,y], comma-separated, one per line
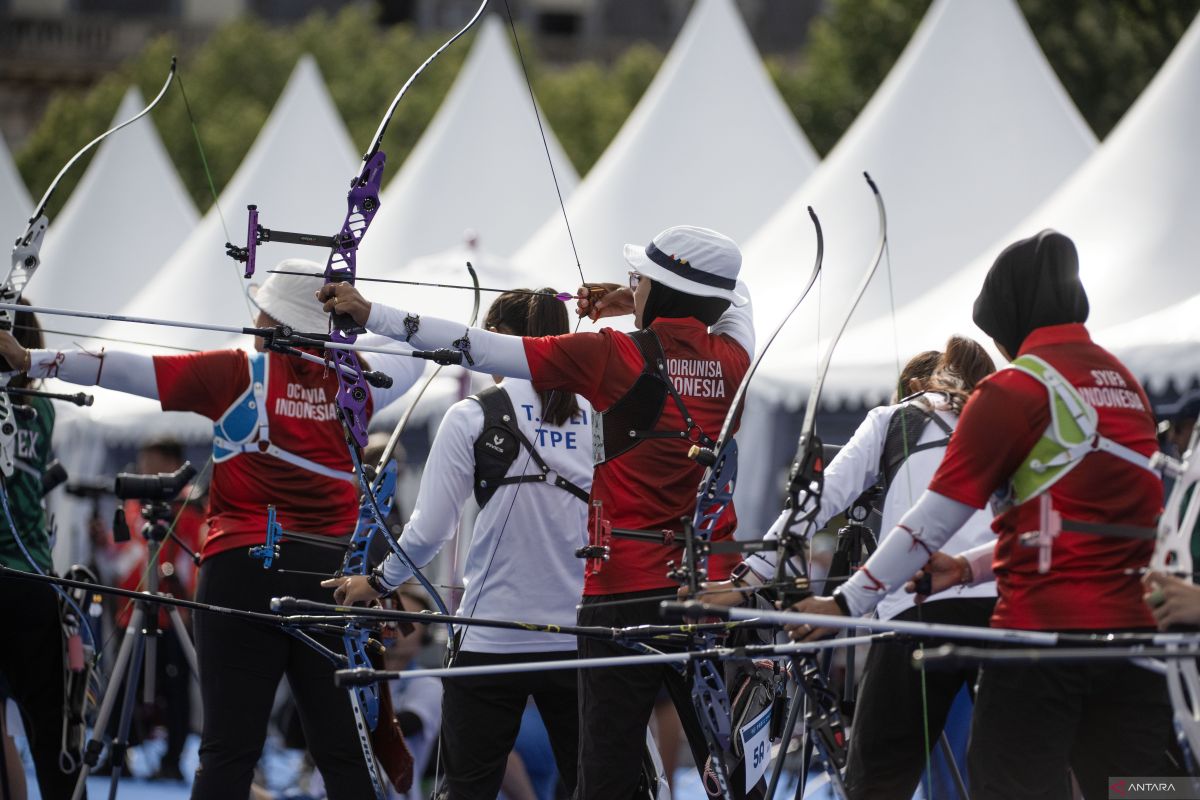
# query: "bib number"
[756,744]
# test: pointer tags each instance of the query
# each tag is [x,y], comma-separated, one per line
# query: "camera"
[163,487]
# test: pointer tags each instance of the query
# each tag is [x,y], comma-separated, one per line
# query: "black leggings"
[615,704]
[481,717]
[887,744]
[241,663]
[32,663]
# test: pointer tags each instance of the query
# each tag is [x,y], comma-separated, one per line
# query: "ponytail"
[961,367]
[525,314]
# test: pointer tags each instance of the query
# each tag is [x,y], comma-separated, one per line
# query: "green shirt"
[24,490]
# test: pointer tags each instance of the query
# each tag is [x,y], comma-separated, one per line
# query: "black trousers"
[1032,723]
[481,717]
[241,663]
[31,660]
[615,704]
[887,744]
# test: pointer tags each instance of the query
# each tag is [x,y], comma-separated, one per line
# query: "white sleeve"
[919,534]
[981,558]
[445,487]
[403,370]
[112,369]
[489,353]
[854,469]
[738,322]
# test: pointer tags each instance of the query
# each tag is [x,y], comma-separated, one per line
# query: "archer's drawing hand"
[814,605]
[343,298]
[597,300]
[351,591]
[941,572]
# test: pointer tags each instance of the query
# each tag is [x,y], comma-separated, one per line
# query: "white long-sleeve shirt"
[500,354]
[856,468]
[522,552]
[133,373]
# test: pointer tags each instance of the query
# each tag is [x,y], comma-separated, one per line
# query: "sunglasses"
[634,279]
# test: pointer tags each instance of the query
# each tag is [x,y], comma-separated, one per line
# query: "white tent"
[1132,212]
[969,131]
[15,205]
[711,143]
[297,172]
[480,165]
[126,217]
[1160,347]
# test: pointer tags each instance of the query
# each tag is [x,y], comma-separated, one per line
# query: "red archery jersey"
[302,419]
[653,485]
[1089,585]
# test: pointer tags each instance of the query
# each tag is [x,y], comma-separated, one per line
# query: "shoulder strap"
[498,446]
[904,431]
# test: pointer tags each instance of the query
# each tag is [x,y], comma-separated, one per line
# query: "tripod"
[138,650]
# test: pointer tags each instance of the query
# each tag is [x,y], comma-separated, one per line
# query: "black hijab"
[673,304]
[1034,283]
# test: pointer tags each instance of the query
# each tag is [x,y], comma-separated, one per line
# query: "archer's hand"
[343,298]
[944,572]
[12,352]
[596,300]
[1173,600]
[814,605]
[718,593]
[351,591]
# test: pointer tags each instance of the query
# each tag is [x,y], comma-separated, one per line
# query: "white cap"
[292,299]
[692,260]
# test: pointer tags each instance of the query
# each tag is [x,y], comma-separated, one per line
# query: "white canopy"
[297,172]
[711,143]
[970,129]
[15,205]
[126,217]
[1132,212]
[480,165]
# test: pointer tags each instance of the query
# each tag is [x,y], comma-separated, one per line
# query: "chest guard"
[634,417]
[1071,436]
[904,431]
[499,445]
[245,426]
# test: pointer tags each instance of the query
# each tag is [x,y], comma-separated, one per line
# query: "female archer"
[276,441]
[655,393]
[1060,442]
[500,445]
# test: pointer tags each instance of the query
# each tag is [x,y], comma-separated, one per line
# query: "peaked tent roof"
[296,172]
[968,131]
[711,143]
[15,203]
[1131,210]
[480,165]
[126,217]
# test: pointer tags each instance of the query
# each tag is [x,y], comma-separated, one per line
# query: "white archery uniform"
[522,553]
[856,468]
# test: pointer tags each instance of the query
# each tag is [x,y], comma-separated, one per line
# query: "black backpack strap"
[500,443]
[656,362]
[903,434]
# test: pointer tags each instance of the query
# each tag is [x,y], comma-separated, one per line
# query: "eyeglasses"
[634,279]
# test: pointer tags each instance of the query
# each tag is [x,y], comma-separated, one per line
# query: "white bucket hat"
[292,299]
[692,260]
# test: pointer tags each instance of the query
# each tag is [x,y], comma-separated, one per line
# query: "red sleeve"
[1003,419]
[595,365]
[206,383]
